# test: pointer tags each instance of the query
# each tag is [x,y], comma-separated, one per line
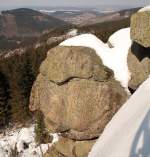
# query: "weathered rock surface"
[139,54]
[69,148]
[64,63]
[76,93]
[140,70]
[140,28]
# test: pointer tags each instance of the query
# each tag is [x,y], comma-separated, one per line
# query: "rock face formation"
[140,28]
[140,70]
[139,54]
[76,93]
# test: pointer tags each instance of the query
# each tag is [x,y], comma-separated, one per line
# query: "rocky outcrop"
[140,70]
[140,28]
[139,54]
[69,148]
[76,93]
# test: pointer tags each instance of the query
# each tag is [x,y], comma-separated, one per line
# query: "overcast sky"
[23,3]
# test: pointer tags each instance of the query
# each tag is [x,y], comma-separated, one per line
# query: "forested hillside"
[19,67]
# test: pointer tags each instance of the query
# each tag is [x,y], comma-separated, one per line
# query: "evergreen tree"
[21,84]
[4,96]
[27,77]
[41,135]
[26,81]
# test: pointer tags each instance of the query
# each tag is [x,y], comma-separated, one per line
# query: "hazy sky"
[13,3]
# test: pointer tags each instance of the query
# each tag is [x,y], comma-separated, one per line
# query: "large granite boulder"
[140,28]
[76,93]
[69,148]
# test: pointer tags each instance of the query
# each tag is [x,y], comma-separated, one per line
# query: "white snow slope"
[115,58]
[128,133]
[20,137]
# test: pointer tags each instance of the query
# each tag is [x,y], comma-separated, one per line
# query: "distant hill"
[107,24]
[75,17]
[27,23]
[112,16]
[105,29]
[88,17]
[23,27]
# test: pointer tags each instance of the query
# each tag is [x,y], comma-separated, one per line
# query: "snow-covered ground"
[147,8]
[24,141]
[115,58]
[128,133]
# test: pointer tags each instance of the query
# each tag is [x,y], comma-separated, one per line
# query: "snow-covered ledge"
[147,8]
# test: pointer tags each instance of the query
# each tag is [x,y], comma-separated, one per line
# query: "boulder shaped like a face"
[77,97]
[65,63]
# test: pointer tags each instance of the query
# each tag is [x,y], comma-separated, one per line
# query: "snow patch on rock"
[114,58]
[121,38]
[55,137]
[147,8]
[72,32]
